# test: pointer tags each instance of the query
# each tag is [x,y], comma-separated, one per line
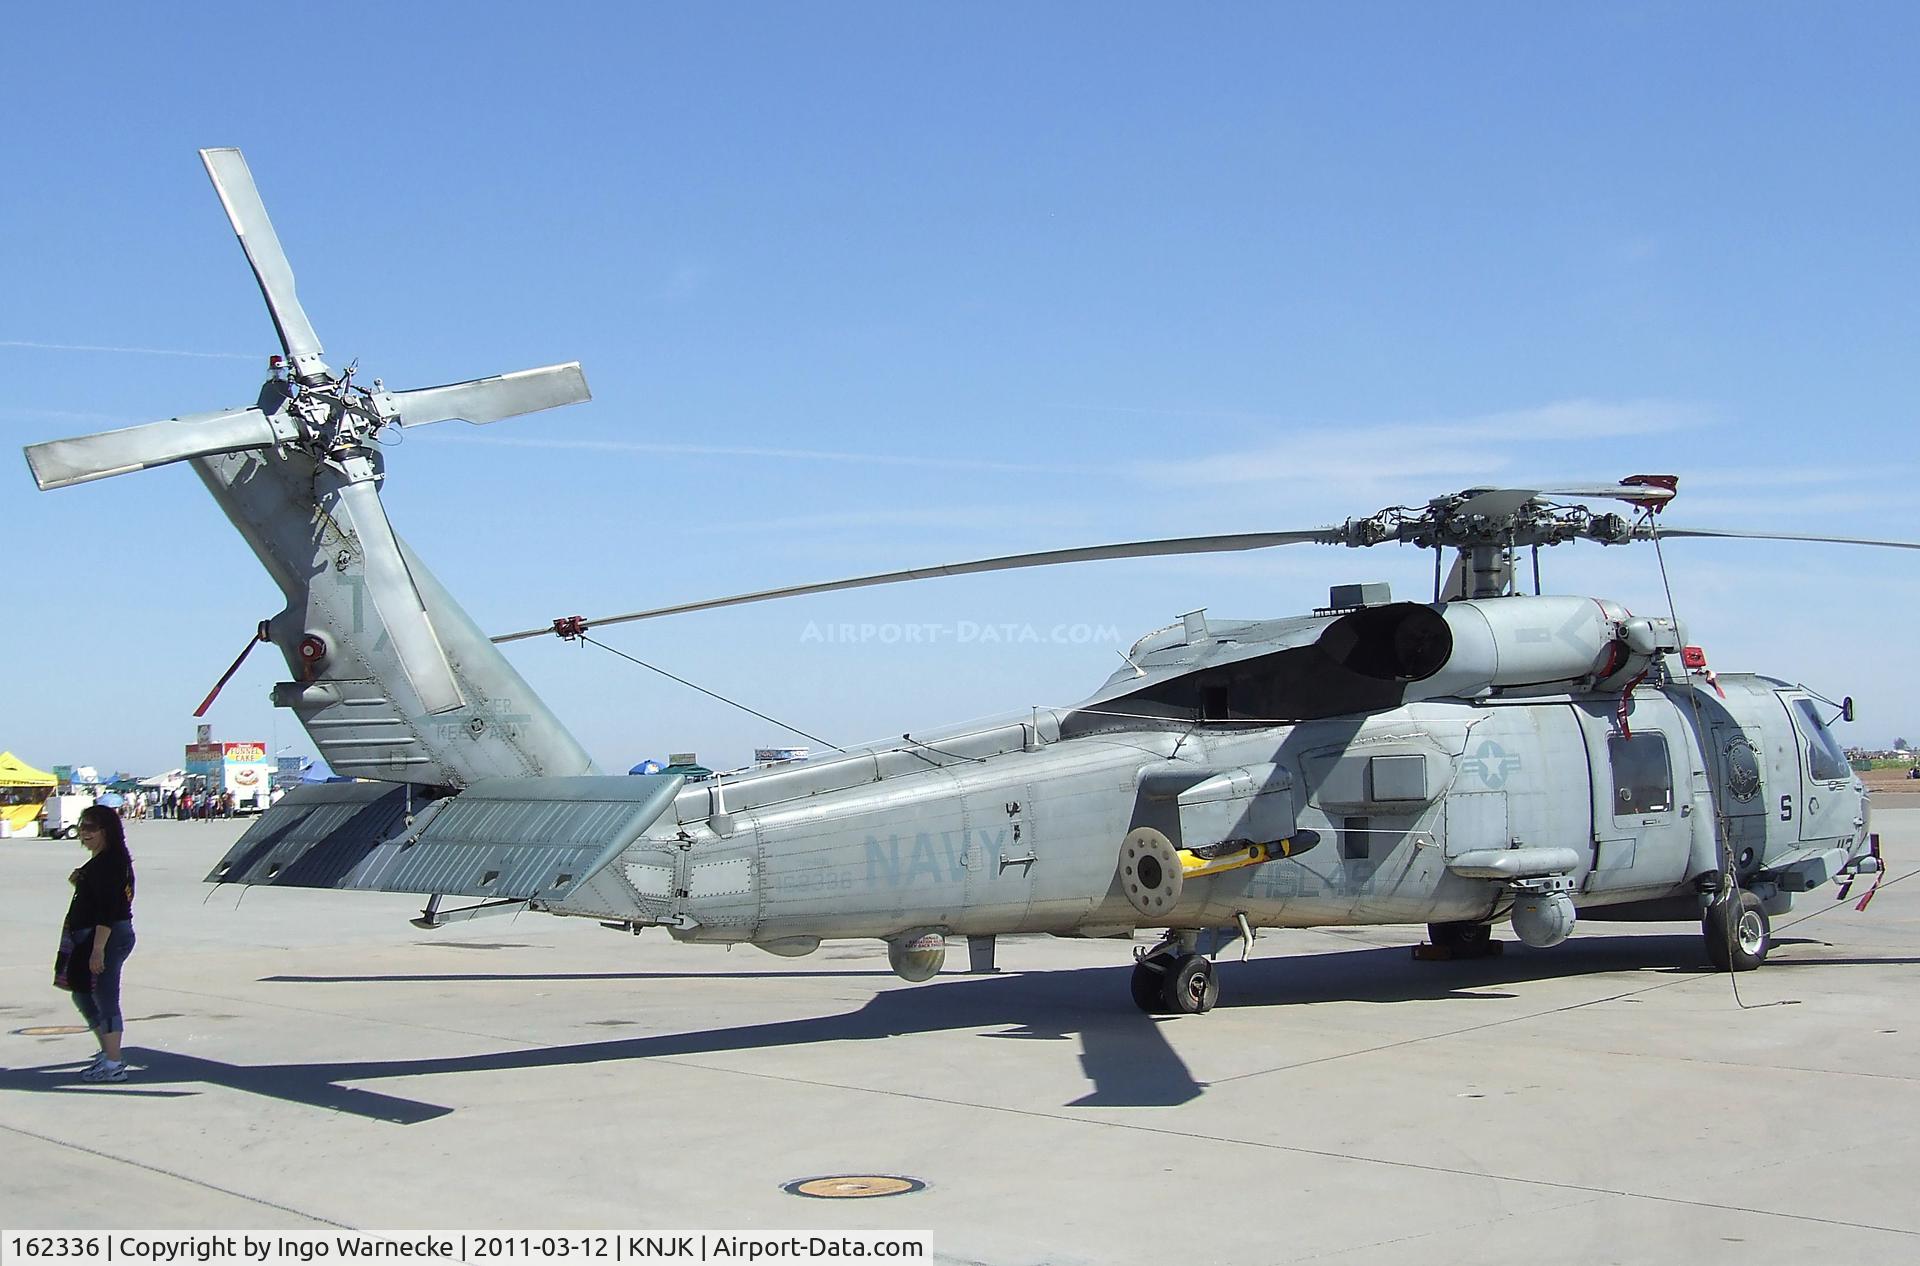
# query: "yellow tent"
[22,790]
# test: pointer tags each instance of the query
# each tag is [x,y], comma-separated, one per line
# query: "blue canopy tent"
[317,770]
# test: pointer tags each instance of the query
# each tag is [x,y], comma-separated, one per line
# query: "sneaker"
[99,1057]
[105,1070]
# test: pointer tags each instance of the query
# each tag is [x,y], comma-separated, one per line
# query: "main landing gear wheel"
[1149,980]
[1738,932]
[1175,980]
[1191,987]
[1459,940]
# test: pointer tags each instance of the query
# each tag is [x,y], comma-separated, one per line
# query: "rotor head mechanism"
[1512,518]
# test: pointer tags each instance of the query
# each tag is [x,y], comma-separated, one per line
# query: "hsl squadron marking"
[1487,756]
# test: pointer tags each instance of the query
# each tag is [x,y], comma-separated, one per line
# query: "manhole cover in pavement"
[50,1030]
[853,1186]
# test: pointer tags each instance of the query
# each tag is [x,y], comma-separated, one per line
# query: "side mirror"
[1846,708]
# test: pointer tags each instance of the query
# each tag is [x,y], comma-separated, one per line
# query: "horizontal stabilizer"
[519,838]
[318,836]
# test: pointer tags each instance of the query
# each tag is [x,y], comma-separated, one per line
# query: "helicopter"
[1487,756]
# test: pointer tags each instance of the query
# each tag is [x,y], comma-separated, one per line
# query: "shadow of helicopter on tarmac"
[1124,1053]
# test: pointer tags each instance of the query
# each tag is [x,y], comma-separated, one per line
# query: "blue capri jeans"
[101,1006]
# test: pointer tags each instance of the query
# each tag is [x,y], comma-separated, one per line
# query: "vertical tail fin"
[352,687]
[391,678]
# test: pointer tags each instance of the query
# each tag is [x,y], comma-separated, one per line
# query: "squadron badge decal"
[1743,769]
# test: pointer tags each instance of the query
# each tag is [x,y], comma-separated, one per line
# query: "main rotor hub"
[1452,523]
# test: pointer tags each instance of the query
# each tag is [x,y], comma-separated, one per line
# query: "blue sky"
[870,286]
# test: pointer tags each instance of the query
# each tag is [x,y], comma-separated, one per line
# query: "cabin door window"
[1642,774]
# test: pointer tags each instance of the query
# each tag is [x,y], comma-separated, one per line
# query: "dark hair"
[108,820]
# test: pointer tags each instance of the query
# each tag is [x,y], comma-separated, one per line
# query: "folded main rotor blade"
[397,600]
[1498,503]
[248,215]
[1495,503]
[1048,558]
[489,399]
[1651,495]
[1647,533]
[58,463]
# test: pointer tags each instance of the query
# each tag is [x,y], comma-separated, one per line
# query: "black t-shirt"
[102,892]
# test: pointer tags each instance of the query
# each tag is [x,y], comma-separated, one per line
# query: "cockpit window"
[1825,761]
[1642,779]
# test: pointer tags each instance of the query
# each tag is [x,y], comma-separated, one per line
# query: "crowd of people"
[179,805]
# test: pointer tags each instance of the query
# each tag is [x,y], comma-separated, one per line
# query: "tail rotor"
[329,419]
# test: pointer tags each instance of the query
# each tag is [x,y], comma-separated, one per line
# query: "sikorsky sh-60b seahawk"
[1488,756]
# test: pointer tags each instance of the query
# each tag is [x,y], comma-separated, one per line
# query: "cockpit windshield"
[1825,761]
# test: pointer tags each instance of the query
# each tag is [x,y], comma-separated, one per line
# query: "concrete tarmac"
[308,1059]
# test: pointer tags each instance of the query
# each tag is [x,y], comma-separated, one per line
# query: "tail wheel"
[1191,987]
[1738,932]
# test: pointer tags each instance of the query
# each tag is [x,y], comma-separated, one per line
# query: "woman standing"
[100,921]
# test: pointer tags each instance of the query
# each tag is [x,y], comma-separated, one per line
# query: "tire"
[1191,986]
[1149,976]
[1463,939]
[1738,932]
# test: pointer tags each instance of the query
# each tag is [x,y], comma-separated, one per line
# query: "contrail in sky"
[135,351]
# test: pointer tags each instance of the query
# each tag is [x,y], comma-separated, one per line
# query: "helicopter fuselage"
[1383,819]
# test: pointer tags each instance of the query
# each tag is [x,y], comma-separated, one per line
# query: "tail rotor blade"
[397,601]
[486,400]
[58,463]
[248,215]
